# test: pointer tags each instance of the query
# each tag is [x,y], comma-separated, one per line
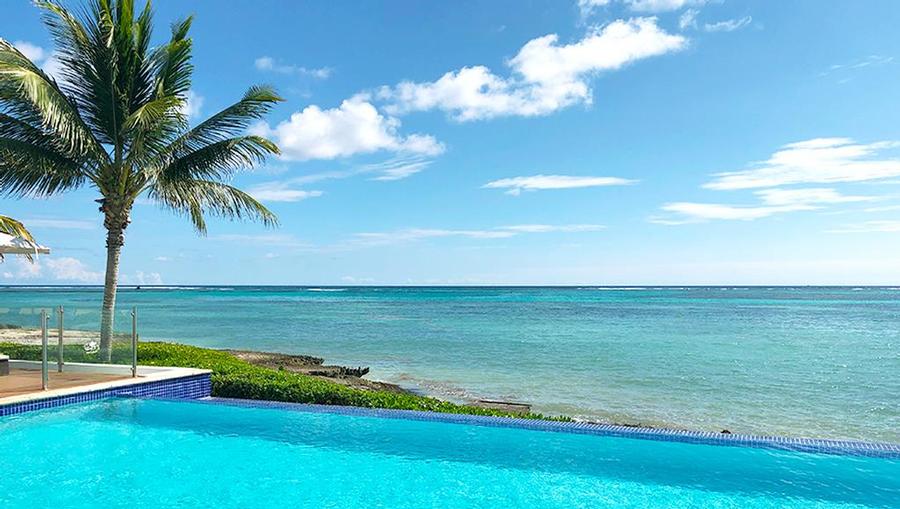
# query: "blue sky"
[623,142]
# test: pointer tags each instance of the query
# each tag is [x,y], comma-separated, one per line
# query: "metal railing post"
[59,361]
[134,342]
[45,372]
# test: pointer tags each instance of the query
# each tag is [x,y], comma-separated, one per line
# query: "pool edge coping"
[792,444]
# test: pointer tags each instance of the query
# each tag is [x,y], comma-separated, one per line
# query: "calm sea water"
[126,453]
[795,361]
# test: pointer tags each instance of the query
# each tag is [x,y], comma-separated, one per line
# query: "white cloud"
[661,5]
[48,61]
[502,232]
[270,64]
[588,6]
[773,201]
[149,278]
[515,185]
[163,259]
[71,269]
[63,224]
[64,269]
[26,269]
[816,161]
[355,127]
[882,226]
[695,212]
[281,191]
[32,52]
[357,280]
[545,77]
[729,25]
[192,105]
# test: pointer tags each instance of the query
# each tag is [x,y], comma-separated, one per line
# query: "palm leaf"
[15,228]
[198,197]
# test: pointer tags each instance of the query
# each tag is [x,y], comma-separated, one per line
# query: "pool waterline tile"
[806,445]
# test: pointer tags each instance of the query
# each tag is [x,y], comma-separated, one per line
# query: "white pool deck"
[23,384]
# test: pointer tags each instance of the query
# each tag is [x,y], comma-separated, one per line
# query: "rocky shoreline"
[304,364]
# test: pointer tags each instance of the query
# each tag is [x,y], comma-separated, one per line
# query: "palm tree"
[113,119]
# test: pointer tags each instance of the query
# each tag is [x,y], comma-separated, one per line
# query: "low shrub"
[235,378]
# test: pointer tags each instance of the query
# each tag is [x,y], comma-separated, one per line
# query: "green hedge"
[235,378]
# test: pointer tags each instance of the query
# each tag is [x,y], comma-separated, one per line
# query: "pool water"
[131,453]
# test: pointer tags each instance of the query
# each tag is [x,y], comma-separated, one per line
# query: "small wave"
[326,289]
[147,287]
[613,288]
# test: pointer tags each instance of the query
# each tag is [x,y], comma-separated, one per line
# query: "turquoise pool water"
[138,453]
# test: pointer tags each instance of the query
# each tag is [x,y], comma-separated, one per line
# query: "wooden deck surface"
[20,381]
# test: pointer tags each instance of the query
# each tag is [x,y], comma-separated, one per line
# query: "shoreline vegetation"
[260,375]
[291,378]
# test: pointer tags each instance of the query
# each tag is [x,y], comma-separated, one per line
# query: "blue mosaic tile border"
[806,445]
[187,387]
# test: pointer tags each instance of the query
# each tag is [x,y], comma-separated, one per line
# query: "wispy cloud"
[515,185]
[772,201]
[884,226]
[661,5]
[728,25]
[396,168]
[502,232]
[270,64]
[816,161]
[588,7]
[248,241]
[688,19]
[550,228]
[62,224]
[690,212]
[808,196]
[281,192]
[546,76]
[869,61]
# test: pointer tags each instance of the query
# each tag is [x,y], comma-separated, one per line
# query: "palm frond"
[198,197]
[221,159]
[27,92]
[234,119]
[30,169]
[15,228]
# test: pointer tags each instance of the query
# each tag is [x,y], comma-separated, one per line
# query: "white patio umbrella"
[19,246]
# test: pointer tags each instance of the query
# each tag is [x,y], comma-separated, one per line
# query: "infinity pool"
[143,453]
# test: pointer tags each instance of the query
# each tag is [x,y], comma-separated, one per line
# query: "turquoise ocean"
[800,361]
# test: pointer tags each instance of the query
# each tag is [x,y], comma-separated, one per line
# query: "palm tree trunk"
[115,239]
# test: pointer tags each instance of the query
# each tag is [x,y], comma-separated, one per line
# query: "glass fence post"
[59,360]
[45,372]
[134,342]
